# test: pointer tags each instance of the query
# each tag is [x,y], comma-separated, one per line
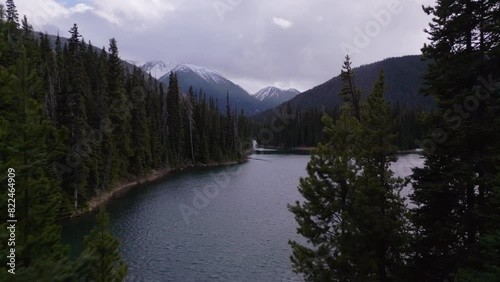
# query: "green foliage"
[353,216]
[29,143]
[74,122]
[349,93]
[456,194]
[324,216]
[101,257]
[294,128]
[404,78]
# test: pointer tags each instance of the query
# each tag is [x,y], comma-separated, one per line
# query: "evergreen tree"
[103,262]
[229,127]
[379,210]
[140,135]
[118,113]
[456,193]
[29,143]
[324,218]
[175,122]
[12,14]
[353,215]
[349,93]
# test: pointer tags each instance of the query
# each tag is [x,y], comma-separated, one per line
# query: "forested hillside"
[114,124]
[216,87]
[75,122]
[300,118]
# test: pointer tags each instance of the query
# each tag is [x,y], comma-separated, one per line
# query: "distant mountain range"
[215,85]
[273,96]
[209,81]
[404,78]
[403,75]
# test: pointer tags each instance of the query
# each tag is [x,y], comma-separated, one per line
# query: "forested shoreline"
[78,125]
[110,124]
[74,123]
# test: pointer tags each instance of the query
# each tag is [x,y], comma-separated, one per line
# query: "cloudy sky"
[255,43]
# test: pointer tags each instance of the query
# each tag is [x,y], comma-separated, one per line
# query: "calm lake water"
[214,224]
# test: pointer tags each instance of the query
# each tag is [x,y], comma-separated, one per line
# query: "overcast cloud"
[255,43]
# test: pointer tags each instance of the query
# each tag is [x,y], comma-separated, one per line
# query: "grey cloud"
[247,46]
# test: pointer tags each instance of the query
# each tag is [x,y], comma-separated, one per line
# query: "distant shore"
[309,149]
[124,186]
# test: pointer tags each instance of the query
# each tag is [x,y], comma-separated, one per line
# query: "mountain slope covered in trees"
[74,122]
[404,76]
[215,86]
[299,119]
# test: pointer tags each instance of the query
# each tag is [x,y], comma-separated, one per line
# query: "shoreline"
[123,186]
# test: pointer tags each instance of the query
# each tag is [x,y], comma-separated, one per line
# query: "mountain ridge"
[214,85]
[273,96]
[404,79]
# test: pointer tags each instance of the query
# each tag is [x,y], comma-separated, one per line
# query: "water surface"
[215,224]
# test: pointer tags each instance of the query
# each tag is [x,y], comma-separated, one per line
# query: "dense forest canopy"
[75,122]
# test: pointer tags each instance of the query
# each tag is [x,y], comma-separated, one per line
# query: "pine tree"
[379,211]
[103,262]
[140,142]
[353,215]
[349,93]
[30,143]
[455,193]
[75,93]
[229,129]
[324,217]
[175,122]
[119,114]
[12,14]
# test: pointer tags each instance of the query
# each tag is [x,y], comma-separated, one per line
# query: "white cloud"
[43,12]
[283,23]
[80,8]
[121,11]
[242,46]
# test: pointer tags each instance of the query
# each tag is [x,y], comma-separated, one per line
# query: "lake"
[214,224]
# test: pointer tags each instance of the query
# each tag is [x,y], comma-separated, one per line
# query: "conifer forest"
[118,170]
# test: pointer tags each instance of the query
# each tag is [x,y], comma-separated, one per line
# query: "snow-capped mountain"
[273,96]
[216,86]
[207,74]
[156,68]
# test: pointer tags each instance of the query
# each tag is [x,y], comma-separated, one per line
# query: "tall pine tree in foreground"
[325,216]
[457,220]
[379,210]
[353,216]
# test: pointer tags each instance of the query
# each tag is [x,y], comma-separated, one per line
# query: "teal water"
[215,224]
